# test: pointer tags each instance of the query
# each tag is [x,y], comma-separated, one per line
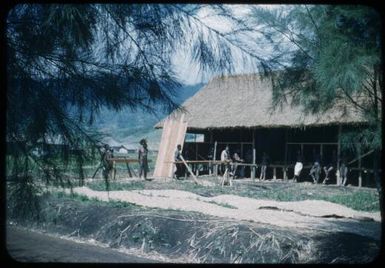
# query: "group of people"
[230,167]
[107,155]
[316,169]
[232,170]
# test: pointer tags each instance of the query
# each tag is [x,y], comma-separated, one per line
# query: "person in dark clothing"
[264,164]
[179,166]
[142,157]
[330,166]
[315,170]
[239,171]
[106,163]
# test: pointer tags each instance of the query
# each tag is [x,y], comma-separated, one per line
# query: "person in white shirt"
[225,157]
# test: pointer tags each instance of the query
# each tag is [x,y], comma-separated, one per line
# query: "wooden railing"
[276,167]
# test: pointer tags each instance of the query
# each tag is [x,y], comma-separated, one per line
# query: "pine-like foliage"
[328,54]
[334,53]
[65,62]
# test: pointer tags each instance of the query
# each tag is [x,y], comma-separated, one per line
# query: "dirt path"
[27,246]
[309,214]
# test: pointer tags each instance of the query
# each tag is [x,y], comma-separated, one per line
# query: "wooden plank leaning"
[189,170]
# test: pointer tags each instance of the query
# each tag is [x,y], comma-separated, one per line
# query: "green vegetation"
[94,201]
[359,199]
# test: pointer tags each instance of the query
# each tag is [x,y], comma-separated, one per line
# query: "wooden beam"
[286,152]
[253,170]
[189,170]
[214,158]
[359,166]
[338,155]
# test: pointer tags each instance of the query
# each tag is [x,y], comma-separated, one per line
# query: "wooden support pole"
[128,169]
[196,150]
[359,166]
[189,170]
[214,158]
[253,169]
[286,152]
[114,169]
[338,156]
[274,173]
[210,144]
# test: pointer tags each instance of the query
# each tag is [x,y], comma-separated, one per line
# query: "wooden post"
[196,149]
[253,170]
[214,158]
[189,170]
[274,173]
[286,152]
[359,166]
[302,149]
[114,168]
[128,169]
[338,156]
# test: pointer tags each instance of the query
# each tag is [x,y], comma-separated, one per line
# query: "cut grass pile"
[194,237]
[363,199]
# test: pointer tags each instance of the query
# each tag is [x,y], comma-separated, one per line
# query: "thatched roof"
[246,101]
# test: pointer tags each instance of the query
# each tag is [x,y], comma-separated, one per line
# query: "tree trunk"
[377,178]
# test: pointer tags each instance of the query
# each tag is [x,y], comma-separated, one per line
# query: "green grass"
[363,199]
[94,201]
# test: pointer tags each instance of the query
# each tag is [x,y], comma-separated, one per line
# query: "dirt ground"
[179,226]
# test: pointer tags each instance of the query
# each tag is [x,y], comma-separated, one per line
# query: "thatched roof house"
[246,101]
[238,111]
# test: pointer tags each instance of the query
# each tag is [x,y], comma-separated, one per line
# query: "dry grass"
[256,94]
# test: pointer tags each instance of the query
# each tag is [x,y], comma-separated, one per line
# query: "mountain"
[127,127]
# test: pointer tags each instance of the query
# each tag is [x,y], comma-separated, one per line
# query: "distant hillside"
[127,127]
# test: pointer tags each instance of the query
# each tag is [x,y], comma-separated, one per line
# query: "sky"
[189,72]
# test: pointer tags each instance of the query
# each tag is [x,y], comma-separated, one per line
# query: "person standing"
[298,166]
[142,157]
[264,164]
[106,163]
[225,157]
[315,170]
[239,171]
[177,158]
[328,168]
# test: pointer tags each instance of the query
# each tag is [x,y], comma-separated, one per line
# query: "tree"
[65,62]
[328,54]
